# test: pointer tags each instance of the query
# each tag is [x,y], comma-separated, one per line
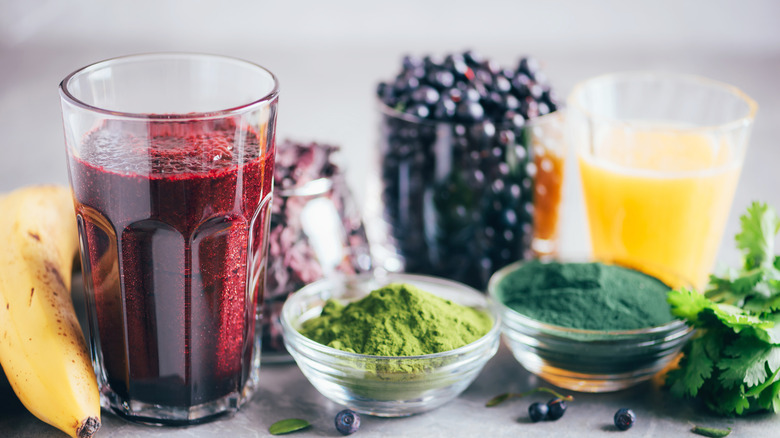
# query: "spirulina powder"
[590,296]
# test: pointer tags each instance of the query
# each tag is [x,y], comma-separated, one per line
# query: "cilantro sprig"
[733,363]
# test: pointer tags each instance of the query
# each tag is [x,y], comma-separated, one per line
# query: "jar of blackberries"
[471,165]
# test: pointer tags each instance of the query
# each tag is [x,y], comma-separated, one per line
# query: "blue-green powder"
[591,296]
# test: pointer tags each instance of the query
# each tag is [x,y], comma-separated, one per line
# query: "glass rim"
[66,95]
[389,111]
[745,120]
[509,315]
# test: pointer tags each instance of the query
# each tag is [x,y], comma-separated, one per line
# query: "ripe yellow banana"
[42,349]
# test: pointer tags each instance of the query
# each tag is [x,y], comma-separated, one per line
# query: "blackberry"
[457,190]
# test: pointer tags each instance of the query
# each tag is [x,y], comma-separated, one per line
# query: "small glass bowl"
[587,360]
[380,385]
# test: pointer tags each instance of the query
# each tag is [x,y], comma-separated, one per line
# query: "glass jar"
[462,200]
[316,231]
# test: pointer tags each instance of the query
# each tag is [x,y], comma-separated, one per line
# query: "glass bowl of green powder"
[390,346]
[588,327]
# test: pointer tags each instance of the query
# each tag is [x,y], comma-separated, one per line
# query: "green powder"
[590,296]
[397,320]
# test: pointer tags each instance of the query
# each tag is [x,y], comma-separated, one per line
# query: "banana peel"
[42,349]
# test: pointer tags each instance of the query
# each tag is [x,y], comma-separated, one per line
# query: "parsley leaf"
[733,363]
[746,361]
[694,371]
[757,239]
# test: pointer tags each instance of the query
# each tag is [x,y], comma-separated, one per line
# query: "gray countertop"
[327,95]
[285,393]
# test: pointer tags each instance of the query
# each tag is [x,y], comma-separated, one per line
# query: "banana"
[42,349]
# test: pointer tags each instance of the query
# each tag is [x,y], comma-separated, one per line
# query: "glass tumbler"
[171,160]
[659,156]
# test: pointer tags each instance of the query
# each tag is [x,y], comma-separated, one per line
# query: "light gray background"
[329,55]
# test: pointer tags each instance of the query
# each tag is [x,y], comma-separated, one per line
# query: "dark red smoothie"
[174,216]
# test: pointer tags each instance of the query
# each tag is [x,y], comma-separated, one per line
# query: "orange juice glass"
[659,158]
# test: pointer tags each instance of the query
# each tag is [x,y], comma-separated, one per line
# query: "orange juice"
[658,199]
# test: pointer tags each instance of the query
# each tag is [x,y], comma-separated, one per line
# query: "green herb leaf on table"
[711,431]
[288,426]
[733,362]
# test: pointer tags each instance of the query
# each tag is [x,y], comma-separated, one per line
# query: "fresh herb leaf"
[757,238]
[687,303]
[733,363]
[696,369]
[288,426]
[757,283]
[769,397]
[746,361]
[507,395]
[711,431]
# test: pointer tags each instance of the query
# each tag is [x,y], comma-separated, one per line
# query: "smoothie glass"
[171,160]
[659,156]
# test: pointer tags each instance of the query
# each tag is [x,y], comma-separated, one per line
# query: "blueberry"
[511,102]
[557,408]
[528,66]
[426,95]
[624,419]
[472,94]
[517,120]
[419,110]
[444,109]
[502,84]
[483,75]
[455,94]
[494,100]
[470,111]
[473,59]
[347,422]
[543,109]
[536,91]
[404,83]
[459,69]
[529,107]
[492,66]
[410,62]
[441,79]
[538,412]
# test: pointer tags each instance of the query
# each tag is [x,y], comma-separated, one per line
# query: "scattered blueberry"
[557,408]
[624,419]
[538,412]
[347,422]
